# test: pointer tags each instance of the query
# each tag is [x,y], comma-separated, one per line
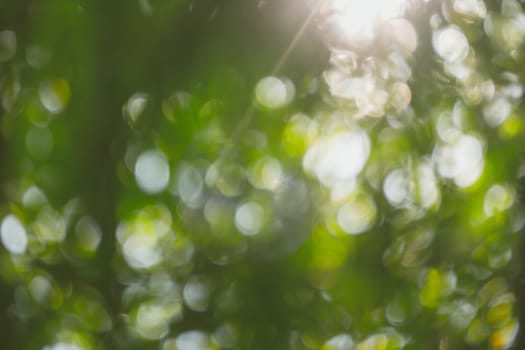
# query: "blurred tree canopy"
[233,174]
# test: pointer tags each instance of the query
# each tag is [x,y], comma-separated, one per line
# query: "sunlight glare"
[356,21]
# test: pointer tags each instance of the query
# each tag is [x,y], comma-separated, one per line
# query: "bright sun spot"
[356,21]
[371,9]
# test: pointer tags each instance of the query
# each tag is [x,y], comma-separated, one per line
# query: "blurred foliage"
[195,175]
